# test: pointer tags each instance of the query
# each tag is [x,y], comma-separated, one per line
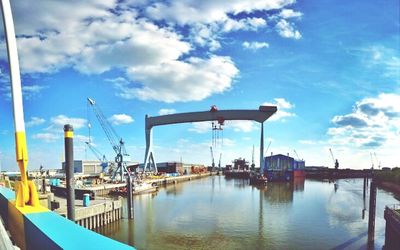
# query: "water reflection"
[298,184]
[279,192]
[214,213]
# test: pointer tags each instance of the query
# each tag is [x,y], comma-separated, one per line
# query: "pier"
[392,234]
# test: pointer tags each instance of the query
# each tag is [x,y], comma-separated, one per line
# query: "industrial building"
[90,166]
[283,167]
[178,167]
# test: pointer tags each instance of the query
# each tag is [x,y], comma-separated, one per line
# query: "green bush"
[391,176]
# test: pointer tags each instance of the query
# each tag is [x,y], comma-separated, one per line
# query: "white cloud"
[178,81]
[126,35]
[201,127]
[373,123]
[307,142]
[28,91]
[166,111]
[35,121]
[286,29]
[242,126]
[255,45]
[119,119]
[289,13]
[252,23]
[58,122]
[208,11]
[283,109]
[47,137]
[387,58]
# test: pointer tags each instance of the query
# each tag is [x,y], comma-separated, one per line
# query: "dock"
[392,234]
[174,180]
[101,211]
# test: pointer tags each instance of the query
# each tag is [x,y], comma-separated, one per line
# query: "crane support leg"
[149,156]
[262,149]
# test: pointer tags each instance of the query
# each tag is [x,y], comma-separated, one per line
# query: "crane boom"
[296,154]
[269,144]
[116,142]
[101,157]
[333,158]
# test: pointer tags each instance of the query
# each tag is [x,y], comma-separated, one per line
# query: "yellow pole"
[23,195]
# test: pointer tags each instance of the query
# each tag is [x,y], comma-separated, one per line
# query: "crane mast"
[253,165]
[372,161]
[116,142]
[219,162]
[377,162]
[212,158]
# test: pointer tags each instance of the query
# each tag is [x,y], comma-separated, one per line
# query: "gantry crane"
[260,115]
[101,157]
[335,162]
[212,159]
[116,141]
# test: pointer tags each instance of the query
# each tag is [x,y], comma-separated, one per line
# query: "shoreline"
[391,187]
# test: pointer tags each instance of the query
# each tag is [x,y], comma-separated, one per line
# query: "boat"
[257,179]
[240,169]
[138,188]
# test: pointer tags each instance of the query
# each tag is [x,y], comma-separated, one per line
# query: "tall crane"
[212,159]
[101,157]
[116,141]
[296,154]
[372,161]
[219,162]
[253,165]
[335,162]
[377,162]
[269,144]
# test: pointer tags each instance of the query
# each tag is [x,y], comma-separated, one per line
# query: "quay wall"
[40,228]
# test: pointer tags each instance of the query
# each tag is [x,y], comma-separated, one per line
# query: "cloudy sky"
[331,68]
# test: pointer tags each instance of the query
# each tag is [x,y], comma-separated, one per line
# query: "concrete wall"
[39,228]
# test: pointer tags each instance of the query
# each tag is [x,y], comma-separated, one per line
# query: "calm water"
[215,213]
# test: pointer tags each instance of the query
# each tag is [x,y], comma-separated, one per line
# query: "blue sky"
[331,67]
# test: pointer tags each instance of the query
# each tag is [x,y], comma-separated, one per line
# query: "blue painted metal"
[48,230]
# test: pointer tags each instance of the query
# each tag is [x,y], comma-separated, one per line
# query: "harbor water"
[216,213]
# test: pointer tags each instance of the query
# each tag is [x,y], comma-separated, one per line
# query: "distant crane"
[296,154]
[335,162]
[269,144]
[377,162]
[372,161]
[212,159]
[219,162]
[253,165]
[96,152]
[116,141]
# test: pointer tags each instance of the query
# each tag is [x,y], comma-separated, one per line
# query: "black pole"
[130,204]
[365,187]
[372,208]
[69,170]
[44,184]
